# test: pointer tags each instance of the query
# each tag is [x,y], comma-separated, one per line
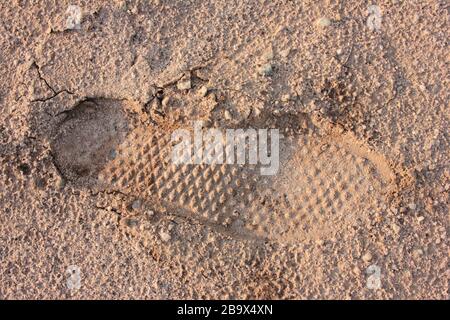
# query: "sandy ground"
[90,208]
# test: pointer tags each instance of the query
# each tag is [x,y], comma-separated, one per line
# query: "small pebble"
[265,70]
[420,218]
[367,257]
[132,223]
[320,242]
[165,236]
[417,253]
[412,206]
[136,204]
[184,84]
[396,228]
[165,101]
[285,53]
[203,91]
[227,115]
[324,22]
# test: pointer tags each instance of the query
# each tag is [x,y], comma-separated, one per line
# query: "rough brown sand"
[90,206]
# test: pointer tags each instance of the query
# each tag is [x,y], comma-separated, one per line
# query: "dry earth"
[87,188]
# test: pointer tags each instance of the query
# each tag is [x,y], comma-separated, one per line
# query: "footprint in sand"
[327,179]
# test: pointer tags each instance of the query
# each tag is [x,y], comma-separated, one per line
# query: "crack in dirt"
[55,93]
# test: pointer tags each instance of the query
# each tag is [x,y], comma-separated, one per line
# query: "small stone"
[165,236]
[184,84]
[165,101]
[339,52]
[420,218]
[324,22]
[150,213]
[265,69]
[136,204]
[412,206]
[320,242]
[227,115]
[396,228]
[367,257]
[203,91]
[285,53]
[417,253]
[132,223]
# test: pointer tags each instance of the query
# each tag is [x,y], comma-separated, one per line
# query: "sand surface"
[92,207]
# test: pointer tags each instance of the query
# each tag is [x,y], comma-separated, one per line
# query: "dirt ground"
[91,208]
